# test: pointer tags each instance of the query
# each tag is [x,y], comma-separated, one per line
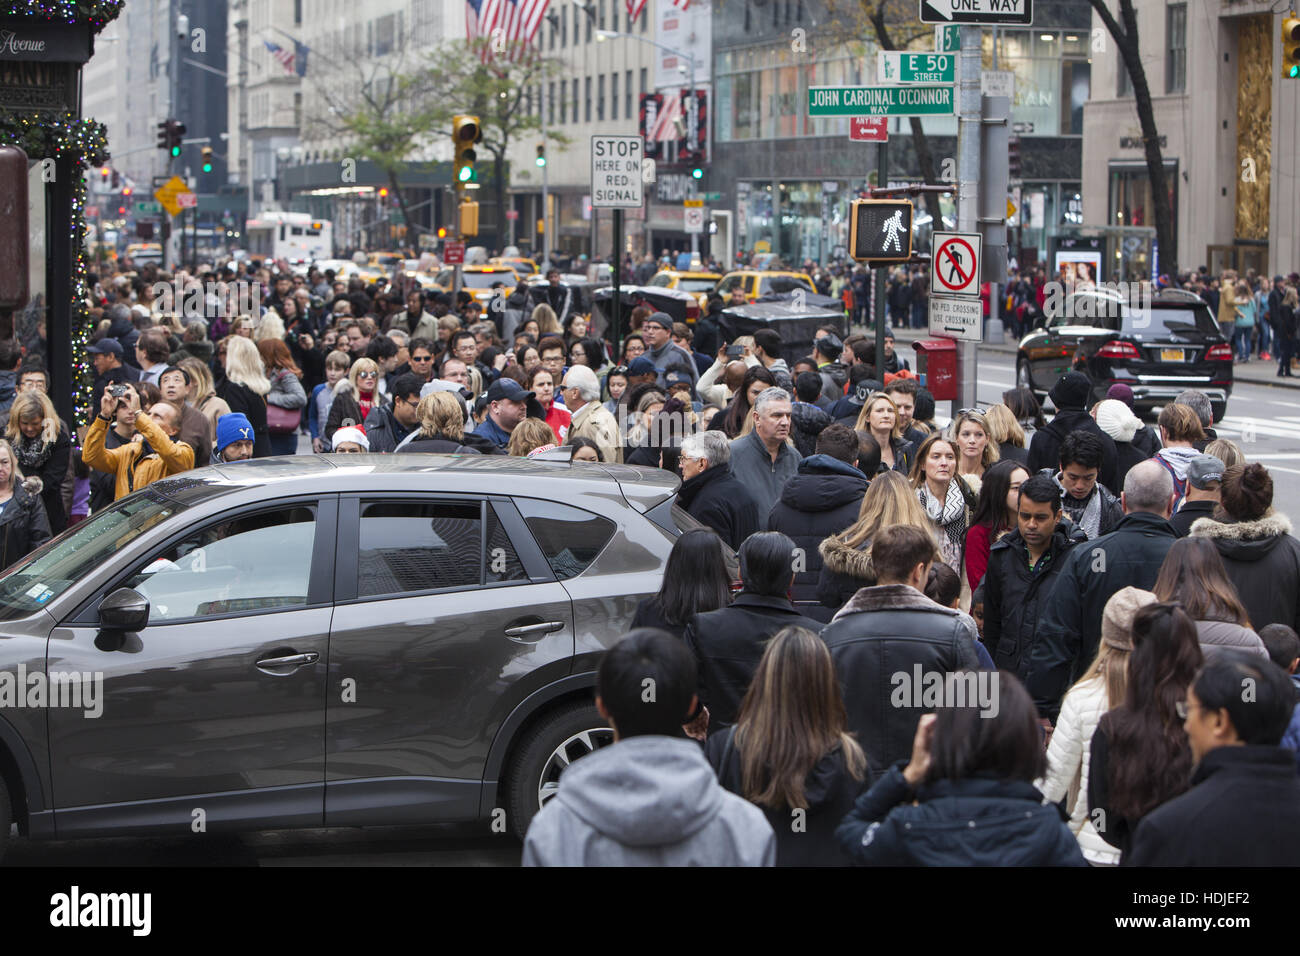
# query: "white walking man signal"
[892,229]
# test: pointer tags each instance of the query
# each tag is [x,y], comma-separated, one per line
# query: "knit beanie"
[1115,419]
[1117,618]
[231,428]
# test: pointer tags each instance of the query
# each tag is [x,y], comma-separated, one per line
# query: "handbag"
[282,421]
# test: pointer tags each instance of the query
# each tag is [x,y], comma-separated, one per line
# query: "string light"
[96,13]
[84,143]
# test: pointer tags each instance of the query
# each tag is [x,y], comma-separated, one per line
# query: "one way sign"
[977,11]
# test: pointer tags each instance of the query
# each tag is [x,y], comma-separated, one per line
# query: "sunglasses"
[367,375]
[971,411]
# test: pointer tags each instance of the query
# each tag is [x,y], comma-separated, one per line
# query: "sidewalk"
[1255,373]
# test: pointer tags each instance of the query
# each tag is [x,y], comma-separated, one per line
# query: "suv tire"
[6,817]
[557,739]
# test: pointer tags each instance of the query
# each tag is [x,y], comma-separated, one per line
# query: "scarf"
[32,453]
[1086,514]
[365,401]
[949,514]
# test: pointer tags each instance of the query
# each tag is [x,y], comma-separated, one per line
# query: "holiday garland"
[85,143]
[96,13]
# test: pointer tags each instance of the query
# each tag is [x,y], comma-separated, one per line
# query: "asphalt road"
[1264,420]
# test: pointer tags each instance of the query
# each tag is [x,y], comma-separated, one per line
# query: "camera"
[117,391]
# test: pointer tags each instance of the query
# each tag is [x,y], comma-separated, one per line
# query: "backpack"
[1180,485]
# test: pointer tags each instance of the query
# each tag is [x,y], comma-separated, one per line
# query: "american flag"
[281,54]
[684,4]
[634,8]
[510,23]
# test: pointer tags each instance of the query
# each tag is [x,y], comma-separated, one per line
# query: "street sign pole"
[994,165]
[616,312]
[968,176]
[882,274]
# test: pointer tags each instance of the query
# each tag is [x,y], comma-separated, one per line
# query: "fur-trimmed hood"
[839,558]
[892,597]
[1244,540]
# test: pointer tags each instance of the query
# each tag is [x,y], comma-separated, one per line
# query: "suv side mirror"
[124,610]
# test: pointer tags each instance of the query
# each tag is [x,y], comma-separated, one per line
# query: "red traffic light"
[442,232]
[383,192]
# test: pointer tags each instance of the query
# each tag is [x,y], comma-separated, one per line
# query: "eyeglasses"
[367,375]
[1182,708]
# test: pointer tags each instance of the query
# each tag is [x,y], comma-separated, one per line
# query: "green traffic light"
[207,167]
[541,160]
[697,173]
[465,174]
[1294,72]
[176,151]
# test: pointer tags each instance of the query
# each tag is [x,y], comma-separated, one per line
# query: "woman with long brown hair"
[1101,689]
[1193,575]
[790,749]
[287,398]
[976,450]
[1140,754]
[944,495]
[846,557]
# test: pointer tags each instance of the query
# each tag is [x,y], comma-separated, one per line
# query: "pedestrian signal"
[880,230]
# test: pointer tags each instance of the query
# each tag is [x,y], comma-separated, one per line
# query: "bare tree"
[379,109]
[1126,40]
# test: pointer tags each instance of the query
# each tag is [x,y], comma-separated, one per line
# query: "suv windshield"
[1161,322]
[51,570]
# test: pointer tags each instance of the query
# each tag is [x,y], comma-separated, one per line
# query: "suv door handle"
[534,630]
[292,660]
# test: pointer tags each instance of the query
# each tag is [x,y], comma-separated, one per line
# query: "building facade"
[1228,124]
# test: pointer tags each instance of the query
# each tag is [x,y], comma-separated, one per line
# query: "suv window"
[569,537]
[1163,321]
[255,562]
[408,546]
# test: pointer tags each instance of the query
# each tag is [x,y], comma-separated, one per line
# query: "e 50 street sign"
[880,100]
[900,67]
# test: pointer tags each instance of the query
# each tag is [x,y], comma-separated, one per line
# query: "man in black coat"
[1244,805]
[1021,570]
[1070,396]
[728,643]
[1130,555]
[806,419]
[821,500]
[891,641]
[711,493]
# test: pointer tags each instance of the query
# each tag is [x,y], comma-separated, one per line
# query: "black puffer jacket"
[1013,595]
[887,630]
[1069,628]
[1263,561]
[23,526]
[1045,446]
[720,500]
[829,794]
[823,499]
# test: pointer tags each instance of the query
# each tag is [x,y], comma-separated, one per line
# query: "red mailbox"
[936,366]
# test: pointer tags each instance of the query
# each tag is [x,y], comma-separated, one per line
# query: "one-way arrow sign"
[977,11]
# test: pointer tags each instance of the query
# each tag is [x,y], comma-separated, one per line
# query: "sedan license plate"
[1171,355]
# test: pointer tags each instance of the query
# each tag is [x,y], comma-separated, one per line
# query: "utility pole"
[968,179]
[546,194]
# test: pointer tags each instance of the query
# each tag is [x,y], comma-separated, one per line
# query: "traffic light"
[442,232]
[880,230]
[465,132]
[1291,47]
[170,134]
[126,191]
[105,172]
[207,159]
[697,173]
[468,219]
[383,192]
[165,134]
[541,154]
[1013,157]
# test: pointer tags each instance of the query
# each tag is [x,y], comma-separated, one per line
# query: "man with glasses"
[387,425]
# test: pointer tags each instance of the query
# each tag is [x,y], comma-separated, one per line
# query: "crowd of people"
[1084,593]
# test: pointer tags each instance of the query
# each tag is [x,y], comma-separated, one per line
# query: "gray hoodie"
[647,801]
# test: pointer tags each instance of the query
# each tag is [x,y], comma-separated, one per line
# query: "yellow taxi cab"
[384,260]
[478,280]
[699,284]
[525,267]
[757,282]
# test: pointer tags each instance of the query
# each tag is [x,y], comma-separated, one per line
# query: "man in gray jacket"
[763,460]
[650,798]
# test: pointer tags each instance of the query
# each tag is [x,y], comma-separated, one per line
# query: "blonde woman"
[1102,688]
[23,525]
[41,447]
[245,387]
[975,451]
[354,397]
[530,435]
[271,327]
[846,557]
[242,325]
[547,322]
[442,427]
[880,417]
[1228,452]
[1006,433]
[203,392]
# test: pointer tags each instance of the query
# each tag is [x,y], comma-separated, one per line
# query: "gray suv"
[322,641]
